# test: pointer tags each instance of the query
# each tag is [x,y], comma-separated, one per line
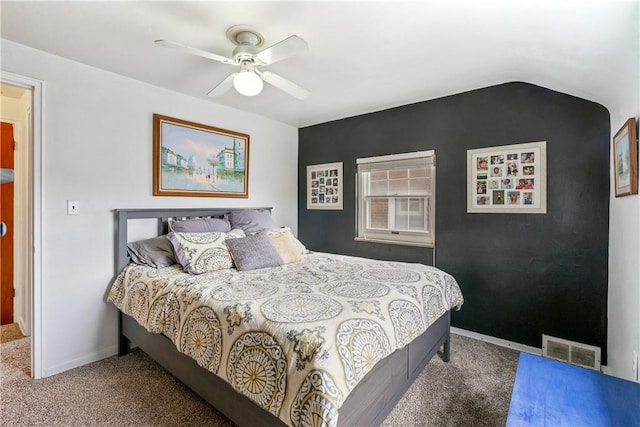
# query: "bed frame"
[367,405]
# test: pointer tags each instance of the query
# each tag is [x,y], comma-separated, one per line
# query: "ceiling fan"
[247,55]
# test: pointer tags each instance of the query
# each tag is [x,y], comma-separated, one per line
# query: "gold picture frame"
[196,160]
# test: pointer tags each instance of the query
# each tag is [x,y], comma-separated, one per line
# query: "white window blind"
[396,200]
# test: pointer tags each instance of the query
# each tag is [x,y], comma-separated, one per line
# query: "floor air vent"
[575,353]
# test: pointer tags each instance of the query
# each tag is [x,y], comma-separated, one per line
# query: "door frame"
[34,188]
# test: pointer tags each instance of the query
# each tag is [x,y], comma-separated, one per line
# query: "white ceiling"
[364,56]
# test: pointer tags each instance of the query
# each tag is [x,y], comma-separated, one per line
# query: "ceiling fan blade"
[290,46]
[223,86]
[285,85]
[194,51]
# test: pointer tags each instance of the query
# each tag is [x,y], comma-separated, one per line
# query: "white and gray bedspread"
[295,339]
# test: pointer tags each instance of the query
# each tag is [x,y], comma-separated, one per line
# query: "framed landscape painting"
[625,159]
[191,159]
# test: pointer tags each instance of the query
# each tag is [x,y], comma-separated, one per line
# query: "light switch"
[73,207]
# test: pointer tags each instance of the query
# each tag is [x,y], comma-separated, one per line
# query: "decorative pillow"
[251,220]
[200,225]
[286,230]
[252,252]
[156,252]
[286,245]
[202,252]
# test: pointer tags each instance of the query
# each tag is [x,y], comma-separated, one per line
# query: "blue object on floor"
[553,394]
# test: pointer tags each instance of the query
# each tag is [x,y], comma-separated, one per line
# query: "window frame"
[389,235]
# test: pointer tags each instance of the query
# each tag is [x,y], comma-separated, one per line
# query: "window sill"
[394,242]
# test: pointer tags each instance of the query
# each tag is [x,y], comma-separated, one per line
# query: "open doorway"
[15,139]
[14,230]
[20,225]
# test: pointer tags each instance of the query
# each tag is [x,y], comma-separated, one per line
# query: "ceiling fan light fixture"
[248,83]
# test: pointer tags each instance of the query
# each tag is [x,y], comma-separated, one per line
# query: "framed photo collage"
[324,186]
[507,179]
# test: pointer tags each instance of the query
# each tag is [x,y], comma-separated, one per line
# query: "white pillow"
[277,232]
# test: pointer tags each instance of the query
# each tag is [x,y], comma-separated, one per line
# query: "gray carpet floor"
[474,389]
[10,332]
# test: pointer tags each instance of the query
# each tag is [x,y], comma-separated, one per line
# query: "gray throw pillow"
[251,220]
[252,252]
[156,252]
[200,225]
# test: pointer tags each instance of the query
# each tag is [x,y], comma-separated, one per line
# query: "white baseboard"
[94,357]
[23,327]
[497,341]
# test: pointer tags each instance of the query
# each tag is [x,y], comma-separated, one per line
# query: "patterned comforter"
[295,339]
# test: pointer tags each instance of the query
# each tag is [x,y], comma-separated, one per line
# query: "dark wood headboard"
[163,216]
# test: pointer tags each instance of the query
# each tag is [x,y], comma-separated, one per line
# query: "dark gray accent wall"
[521,275]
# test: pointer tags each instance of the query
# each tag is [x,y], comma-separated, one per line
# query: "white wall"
[624,278]
[97,148]
[624,241]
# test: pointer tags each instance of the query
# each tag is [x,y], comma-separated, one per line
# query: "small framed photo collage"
[507,179]
[324,186]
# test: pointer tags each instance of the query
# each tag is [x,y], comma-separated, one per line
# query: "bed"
[327,340]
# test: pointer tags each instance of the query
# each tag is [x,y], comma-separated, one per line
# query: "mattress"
[295,339]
